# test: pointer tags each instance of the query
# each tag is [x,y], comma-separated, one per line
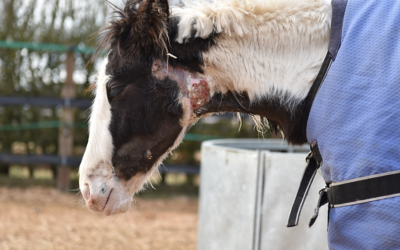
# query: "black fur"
[143,118]
[189,54]
[290,122]
[145,111]
[138,33]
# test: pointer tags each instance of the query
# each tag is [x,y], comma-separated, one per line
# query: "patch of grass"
[167,191]
[43,173]
[25,183]
[176,179]
[20,172]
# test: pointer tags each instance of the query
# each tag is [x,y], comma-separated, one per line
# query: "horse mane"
[136,30]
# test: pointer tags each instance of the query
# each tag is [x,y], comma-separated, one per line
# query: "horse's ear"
[151,25]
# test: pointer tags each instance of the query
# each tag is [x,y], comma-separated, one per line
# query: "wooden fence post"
[65,139]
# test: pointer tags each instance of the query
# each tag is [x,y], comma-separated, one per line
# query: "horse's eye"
[114,91]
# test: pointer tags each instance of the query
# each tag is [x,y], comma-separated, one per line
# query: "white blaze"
[100,147]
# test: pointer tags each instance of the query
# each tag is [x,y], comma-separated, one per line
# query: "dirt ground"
[44,218]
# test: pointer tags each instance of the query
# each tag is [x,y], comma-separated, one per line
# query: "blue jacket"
[355,118]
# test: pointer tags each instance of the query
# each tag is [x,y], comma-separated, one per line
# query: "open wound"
[199,92]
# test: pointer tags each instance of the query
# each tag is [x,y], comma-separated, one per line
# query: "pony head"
[144,102]
[164,71]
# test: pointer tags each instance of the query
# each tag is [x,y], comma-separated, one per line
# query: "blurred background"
[45,46]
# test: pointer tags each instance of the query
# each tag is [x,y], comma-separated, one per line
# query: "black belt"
[314,161]
[345,193]
[364,189]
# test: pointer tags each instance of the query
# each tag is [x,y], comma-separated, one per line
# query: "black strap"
[315,153]
[357,191]
[315,87]
[305,184]
[365,189]
[314,158]
[338,9]
[323,199]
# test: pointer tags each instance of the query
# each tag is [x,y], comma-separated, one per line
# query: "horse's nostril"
[85,191]
[103,188]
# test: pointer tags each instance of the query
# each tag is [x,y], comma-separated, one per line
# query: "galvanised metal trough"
[247,188]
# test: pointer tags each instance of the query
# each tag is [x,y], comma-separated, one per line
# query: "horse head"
[164,71]
[143,105]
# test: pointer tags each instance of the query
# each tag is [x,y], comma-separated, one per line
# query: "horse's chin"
[118,202]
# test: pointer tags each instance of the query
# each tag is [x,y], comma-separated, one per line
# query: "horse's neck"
[290,121]
[276,53]
[271,58]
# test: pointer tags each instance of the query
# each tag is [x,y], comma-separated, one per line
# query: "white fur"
[264,48]
[100,146]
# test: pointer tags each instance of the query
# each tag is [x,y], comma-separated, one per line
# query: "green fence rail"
[38,125]
[46,47]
